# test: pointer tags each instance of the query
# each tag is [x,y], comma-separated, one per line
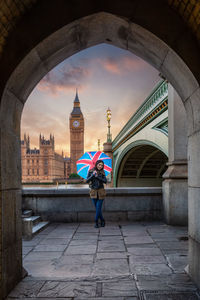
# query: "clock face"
[76,123]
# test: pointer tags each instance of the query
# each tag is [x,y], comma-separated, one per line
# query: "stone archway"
[78,35]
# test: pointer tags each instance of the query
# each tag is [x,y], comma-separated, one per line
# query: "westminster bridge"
[140,150]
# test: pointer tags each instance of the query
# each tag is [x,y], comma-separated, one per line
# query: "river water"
[55,187]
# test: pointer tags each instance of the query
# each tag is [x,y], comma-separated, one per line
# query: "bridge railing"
[158,94]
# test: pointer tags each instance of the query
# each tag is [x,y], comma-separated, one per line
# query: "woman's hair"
[97,162]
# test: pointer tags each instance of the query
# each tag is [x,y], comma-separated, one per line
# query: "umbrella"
[88,160]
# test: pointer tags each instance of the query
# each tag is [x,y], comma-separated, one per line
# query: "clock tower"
[76,124]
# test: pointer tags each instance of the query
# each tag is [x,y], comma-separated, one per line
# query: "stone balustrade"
[74,205]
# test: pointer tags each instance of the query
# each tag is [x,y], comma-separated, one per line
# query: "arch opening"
[144,166]
[81,34]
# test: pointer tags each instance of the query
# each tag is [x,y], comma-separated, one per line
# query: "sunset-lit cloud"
[68,78]
[122,65]
[111,66]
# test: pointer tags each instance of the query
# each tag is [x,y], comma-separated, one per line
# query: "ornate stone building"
[43,164]
[76,124]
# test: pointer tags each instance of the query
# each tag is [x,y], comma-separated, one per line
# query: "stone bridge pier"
[175,184]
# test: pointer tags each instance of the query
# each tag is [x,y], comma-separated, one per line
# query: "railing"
[74,205]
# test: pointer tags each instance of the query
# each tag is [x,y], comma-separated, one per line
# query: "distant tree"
[74,175]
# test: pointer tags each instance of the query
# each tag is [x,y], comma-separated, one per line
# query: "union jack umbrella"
[88,160]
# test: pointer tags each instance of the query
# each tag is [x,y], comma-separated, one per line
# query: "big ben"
[76,124]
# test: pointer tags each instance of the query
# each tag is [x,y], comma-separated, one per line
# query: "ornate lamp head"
[108,114]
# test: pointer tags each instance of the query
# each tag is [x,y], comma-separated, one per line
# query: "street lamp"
[109,136]
[98,144]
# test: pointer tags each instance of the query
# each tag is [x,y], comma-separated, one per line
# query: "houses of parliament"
[44,164]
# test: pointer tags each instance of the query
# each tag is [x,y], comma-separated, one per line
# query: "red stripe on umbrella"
[107,168]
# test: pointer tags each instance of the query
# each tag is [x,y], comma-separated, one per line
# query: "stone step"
[34,219]
[31,226]
[27,213]
[39,227]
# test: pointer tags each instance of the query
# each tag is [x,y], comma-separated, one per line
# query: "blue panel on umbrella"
[81,166]
[88,160]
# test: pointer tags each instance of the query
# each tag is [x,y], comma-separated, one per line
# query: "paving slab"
[177,261]
[27,289]
[165,238]
[58,234]
[40,269]
[153,245]
[172,245]
[82,242]
[9,298]
[119,288]
[114,267]
[110,232]
[76,259]
[35,241]
[111,255]
[70,271]
[138,240]
[111,246]
[170,296]
[55,241]
[153,259]
[150,269]
[82,249]
[136,234]
[85,236]
[89,228]
[175,251]
[109,237]
[68,289]
[49,229]
[176,282]
[42,255]
[108,298]
[144,251]
[26,250]
[55,248]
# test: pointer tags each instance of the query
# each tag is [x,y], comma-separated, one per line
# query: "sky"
[105,76]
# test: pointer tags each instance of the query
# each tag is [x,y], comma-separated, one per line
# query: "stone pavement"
[122,261]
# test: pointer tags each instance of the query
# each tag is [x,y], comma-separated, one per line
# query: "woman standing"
[96,178]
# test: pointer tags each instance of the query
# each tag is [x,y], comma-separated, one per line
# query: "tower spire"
[76,100]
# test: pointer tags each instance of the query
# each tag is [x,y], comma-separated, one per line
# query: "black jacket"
[96,182]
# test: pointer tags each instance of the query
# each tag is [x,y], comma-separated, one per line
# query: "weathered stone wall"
[156,35]
[74,205]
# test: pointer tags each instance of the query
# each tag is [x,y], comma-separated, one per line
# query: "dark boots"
[103,223]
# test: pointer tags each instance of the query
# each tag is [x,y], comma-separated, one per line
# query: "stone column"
[107,149]
[175,185]
[194,186]
[10,194]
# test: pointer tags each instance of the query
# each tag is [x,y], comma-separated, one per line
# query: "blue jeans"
[98,205]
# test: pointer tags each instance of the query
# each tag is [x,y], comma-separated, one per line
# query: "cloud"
[68,78]
[122,65]
[111,66]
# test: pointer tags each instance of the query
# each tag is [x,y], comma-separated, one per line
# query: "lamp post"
[109,136]
[98,144]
